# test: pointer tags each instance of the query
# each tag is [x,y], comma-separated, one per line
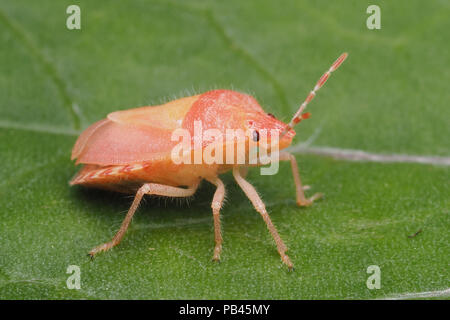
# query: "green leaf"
[390,97]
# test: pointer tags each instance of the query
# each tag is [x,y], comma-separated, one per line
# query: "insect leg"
[151,189]
[253,196]
[216,205]
[301,199]
[244,171]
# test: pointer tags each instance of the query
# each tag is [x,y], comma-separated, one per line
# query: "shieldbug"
[131,151]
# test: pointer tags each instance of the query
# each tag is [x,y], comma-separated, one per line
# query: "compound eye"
[255,135]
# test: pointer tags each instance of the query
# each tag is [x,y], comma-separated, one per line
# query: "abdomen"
[128,178]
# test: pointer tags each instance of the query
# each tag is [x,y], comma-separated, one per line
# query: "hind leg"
[148,188]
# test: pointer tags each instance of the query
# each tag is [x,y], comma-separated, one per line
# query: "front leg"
[254,198]
[301,199]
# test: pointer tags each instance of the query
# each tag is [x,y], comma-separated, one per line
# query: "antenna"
[298,116]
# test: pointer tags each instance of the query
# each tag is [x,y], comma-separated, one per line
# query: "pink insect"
[130,152]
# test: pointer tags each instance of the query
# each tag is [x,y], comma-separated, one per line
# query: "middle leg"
[216,205]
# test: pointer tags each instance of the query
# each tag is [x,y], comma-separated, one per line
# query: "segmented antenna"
[298,116]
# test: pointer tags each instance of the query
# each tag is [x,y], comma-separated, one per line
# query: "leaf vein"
[47,65]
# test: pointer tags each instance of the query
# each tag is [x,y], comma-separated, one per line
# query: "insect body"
[131,151]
